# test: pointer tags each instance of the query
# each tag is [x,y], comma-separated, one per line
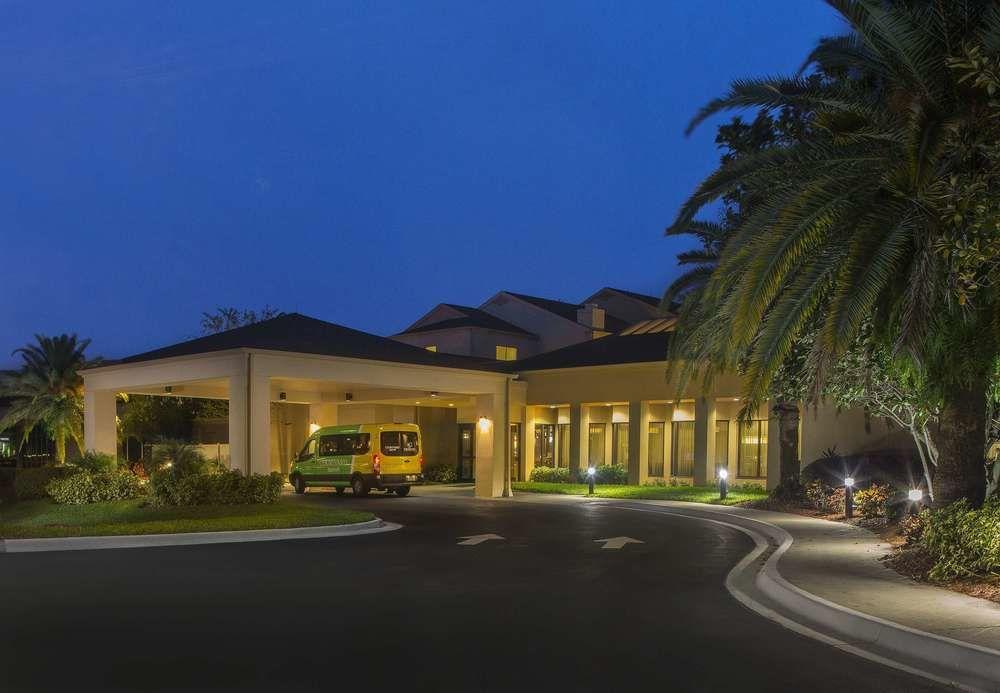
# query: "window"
[619,444]
[752,458]
[721,445]
[308,450]
[506,353]
[682,459]
[515,452]
[545,445]
[656,447]
[431,347]
[399,443]
[596,434]
[344,444]
[562,446]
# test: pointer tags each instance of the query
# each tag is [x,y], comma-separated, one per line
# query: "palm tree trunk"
[60,441]
[960,441]
[788,440]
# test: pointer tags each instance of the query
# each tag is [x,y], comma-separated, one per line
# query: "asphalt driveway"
[545,607]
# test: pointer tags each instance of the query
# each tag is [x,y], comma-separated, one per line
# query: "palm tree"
[704,261]
[47,390]
[873,213]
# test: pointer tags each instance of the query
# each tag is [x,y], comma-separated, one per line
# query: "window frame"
[761,450]
[402,452]
[506,352]
[675,469]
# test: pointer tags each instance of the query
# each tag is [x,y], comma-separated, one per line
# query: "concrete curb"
[138,541]
[953,662]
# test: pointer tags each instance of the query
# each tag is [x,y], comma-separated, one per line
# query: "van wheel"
[298,484]
[402,491]
[359,486]
[340,490]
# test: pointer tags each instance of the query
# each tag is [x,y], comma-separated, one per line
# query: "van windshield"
[399,443]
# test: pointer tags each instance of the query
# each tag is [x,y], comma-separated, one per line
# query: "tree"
[870,377]
[223,319]
[886,208]
[47,390]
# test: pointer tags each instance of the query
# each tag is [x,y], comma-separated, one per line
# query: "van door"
[335,455]
[400,452]
[305,463]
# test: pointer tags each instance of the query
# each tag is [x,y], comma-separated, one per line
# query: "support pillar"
[100,430]
[577,439]
[638,442]
[528,441]
[238,442]
[704,441]
[492,438]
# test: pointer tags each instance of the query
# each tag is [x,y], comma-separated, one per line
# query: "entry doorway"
[515,452]
[466,452]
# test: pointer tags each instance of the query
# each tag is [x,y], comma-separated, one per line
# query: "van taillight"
[421,463]
[377,464]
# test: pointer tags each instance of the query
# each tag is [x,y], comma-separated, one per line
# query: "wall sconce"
[348,396]
[168,389]
[313,427]
[484,424]
[282,396]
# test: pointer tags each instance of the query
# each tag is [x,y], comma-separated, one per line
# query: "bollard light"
[723,484]
[916,495]
[590,480]
[849,497]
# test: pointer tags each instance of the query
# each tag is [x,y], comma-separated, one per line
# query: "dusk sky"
[358,162]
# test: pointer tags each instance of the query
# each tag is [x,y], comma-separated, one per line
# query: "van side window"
[399,443]
[344,444]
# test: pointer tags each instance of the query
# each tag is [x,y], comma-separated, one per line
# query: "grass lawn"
[43,518]
[693,494]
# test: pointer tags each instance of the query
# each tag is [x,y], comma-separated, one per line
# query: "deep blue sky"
[354,161]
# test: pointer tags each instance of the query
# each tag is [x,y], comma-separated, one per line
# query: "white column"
[577,438]
[238,458]
[704,441]
[528,441]
[638,442]
[260,424]
[491,444]
[100,430]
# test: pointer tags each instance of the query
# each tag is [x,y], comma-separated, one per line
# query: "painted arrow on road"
[618,542]
[476,539]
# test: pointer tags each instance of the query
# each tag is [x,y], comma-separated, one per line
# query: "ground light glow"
[916,495]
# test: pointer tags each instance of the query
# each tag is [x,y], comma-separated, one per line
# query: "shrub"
[557,475]
[31,483]
[820,496]
[222,488]
[100,487]
[911,527]
[611,474]
[179,458]
[789,491]
[872,503]
[96,462]
[444,473]
[961,541]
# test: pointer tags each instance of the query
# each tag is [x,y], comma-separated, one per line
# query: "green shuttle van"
[364,457]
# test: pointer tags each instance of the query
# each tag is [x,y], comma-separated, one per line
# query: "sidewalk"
[825,580]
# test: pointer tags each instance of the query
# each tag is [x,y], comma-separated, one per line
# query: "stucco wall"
[823,427]
[553,331]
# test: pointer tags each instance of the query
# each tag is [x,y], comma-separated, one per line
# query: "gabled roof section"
[301,334]
[651,300]
[560,308]
[471,317]
[651,326]
[606,351]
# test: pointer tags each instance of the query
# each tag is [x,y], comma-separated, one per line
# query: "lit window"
[506,353]
[432,347]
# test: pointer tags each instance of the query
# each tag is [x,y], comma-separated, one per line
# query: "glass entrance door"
[515,452]
[466,452]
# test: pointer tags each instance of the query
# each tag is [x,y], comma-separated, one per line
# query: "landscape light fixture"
[849,497]
[591,472]
[916,495]
[723,483]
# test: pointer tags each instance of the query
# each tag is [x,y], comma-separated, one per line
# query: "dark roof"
[645,298]
[604,351]
[473,317]
[568,310]
[301,334]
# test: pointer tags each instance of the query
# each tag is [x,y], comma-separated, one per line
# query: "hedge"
[441,472]
[31,483]
[559,475]
[962,541]
[101,487]
[223,488]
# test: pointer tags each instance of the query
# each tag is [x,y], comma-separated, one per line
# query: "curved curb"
[138,541]
[956,663]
